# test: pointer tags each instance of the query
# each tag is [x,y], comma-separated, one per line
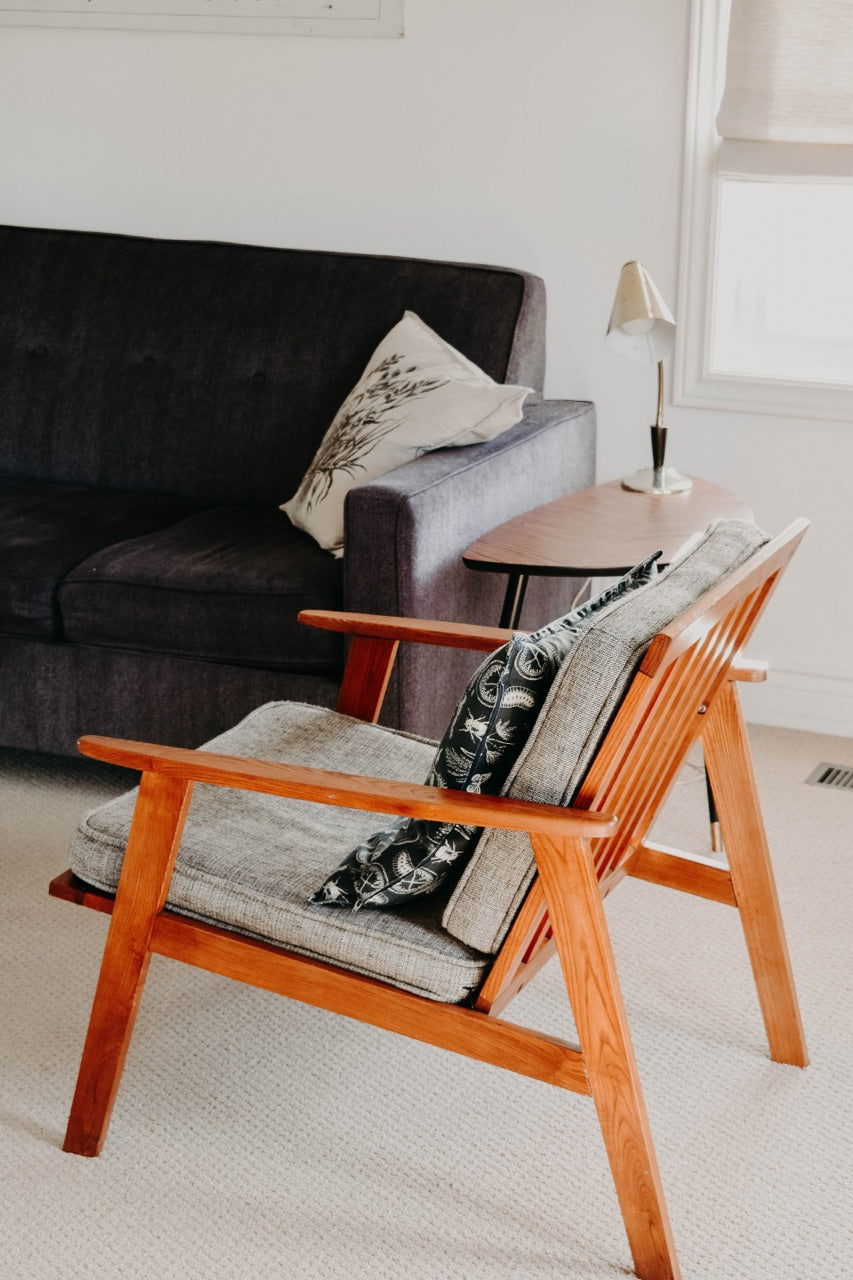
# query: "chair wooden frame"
[685,687]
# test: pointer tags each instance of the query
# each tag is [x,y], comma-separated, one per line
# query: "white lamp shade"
[641,324]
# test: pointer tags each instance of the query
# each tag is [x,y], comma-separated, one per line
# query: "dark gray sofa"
[158,401]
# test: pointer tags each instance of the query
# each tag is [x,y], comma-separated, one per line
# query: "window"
[767,252]
[784,281]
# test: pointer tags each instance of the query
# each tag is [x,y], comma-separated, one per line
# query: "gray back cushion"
[574,720]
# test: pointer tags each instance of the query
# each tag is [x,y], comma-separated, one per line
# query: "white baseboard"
[795,696]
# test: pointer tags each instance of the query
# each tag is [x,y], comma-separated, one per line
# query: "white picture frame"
[374,18]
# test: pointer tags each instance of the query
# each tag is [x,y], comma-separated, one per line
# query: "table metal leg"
[716,837]
[516,586]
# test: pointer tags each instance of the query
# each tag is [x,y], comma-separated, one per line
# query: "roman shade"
[787,107]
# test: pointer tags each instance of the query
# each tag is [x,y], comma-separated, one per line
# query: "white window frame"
[259,17]
[694,384]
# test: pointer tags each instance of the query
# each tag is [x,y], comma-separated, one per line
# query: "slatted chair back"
[662,714]
[681,691]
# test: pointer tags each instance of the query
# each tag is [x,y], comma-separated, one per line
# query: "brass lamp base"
[657,480]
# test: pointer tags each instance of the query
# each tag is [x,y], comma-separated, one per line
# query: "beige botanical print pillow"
[417,394]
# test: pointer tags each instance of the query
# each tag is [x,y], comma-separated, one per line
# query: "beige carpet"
[253,1137]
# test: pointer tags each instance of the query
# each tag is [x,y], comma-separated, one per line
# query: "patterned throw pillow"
[417,394]
[412,856]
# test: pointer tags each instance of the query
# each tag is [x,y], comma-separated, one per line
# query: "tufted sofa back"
[212,370]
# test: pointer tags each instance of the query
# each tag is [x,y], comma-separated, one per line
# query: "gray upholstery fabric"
[425,514]
[583,700]
[250,861]
[51,693]
[180,366]
[224,584]
[46,529]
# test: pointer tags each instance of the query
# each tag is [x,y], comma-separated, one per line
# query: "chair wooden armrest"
[349,791]
[453,635]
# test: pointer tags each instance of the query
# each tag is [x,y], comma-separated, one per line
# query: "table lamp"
[642,328]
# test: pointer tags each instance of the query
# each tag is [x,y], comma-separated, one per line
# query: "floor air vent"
[837,776]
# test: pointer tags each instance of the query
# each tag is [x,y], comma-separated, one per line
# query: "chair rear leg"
[729,762]
[576,912]
[149,859]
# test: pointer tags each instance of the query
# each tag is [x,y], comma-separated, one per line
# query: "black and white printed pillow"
[413,856]
[416,394]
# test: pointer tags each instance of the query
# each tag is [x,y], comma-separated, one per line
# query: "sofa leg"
[149,860]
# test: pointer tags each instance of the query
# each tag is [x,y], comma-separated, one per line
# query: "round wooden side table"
[598,532]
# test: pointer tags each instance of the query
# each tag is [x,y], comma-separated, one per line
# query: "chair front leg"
[150,857]
[729,763]
[576,912]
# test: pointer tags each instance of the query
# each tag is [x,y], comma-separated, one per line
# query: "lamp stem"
[658,436]
[658,478]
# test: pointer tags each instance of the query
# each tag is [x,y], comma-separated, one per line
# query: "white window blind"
[788,86]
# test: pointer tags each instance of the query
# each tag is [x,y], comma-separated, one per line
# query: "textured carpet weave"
[257,1138]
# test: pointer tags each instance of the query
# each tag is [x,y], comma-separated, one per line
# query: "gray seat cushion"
[225,584]
[251,861]
[574,720]
[47,529]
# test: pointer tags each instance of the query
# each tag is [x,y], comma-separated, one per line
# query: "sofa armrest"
[405,533]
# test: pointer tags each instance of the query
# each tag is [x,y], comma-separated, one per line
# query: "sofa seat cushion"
[47,529]
[225,584]
[250,861]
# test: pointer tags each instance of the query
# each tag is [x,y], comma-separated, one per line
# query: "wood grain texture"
[347,790]
[604,530]
[748,670]
[149,859]
[453,635]
[449,1026]
[684,688]
[366,675]
[576,912]
[729,763]
[520,957]
[68,888]
[760,574]
[677,870]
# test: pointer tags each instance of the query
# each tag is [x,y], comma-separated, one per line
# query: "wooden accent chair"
[679,686]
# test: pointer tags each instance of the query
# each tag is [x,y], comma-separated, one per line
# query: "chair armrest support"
[349,791]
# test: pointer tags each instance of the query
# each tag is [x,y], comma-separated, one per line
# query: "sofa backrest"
[212,370]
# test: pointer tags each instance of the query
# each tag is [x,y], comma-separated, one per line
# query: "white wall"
[545,134]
